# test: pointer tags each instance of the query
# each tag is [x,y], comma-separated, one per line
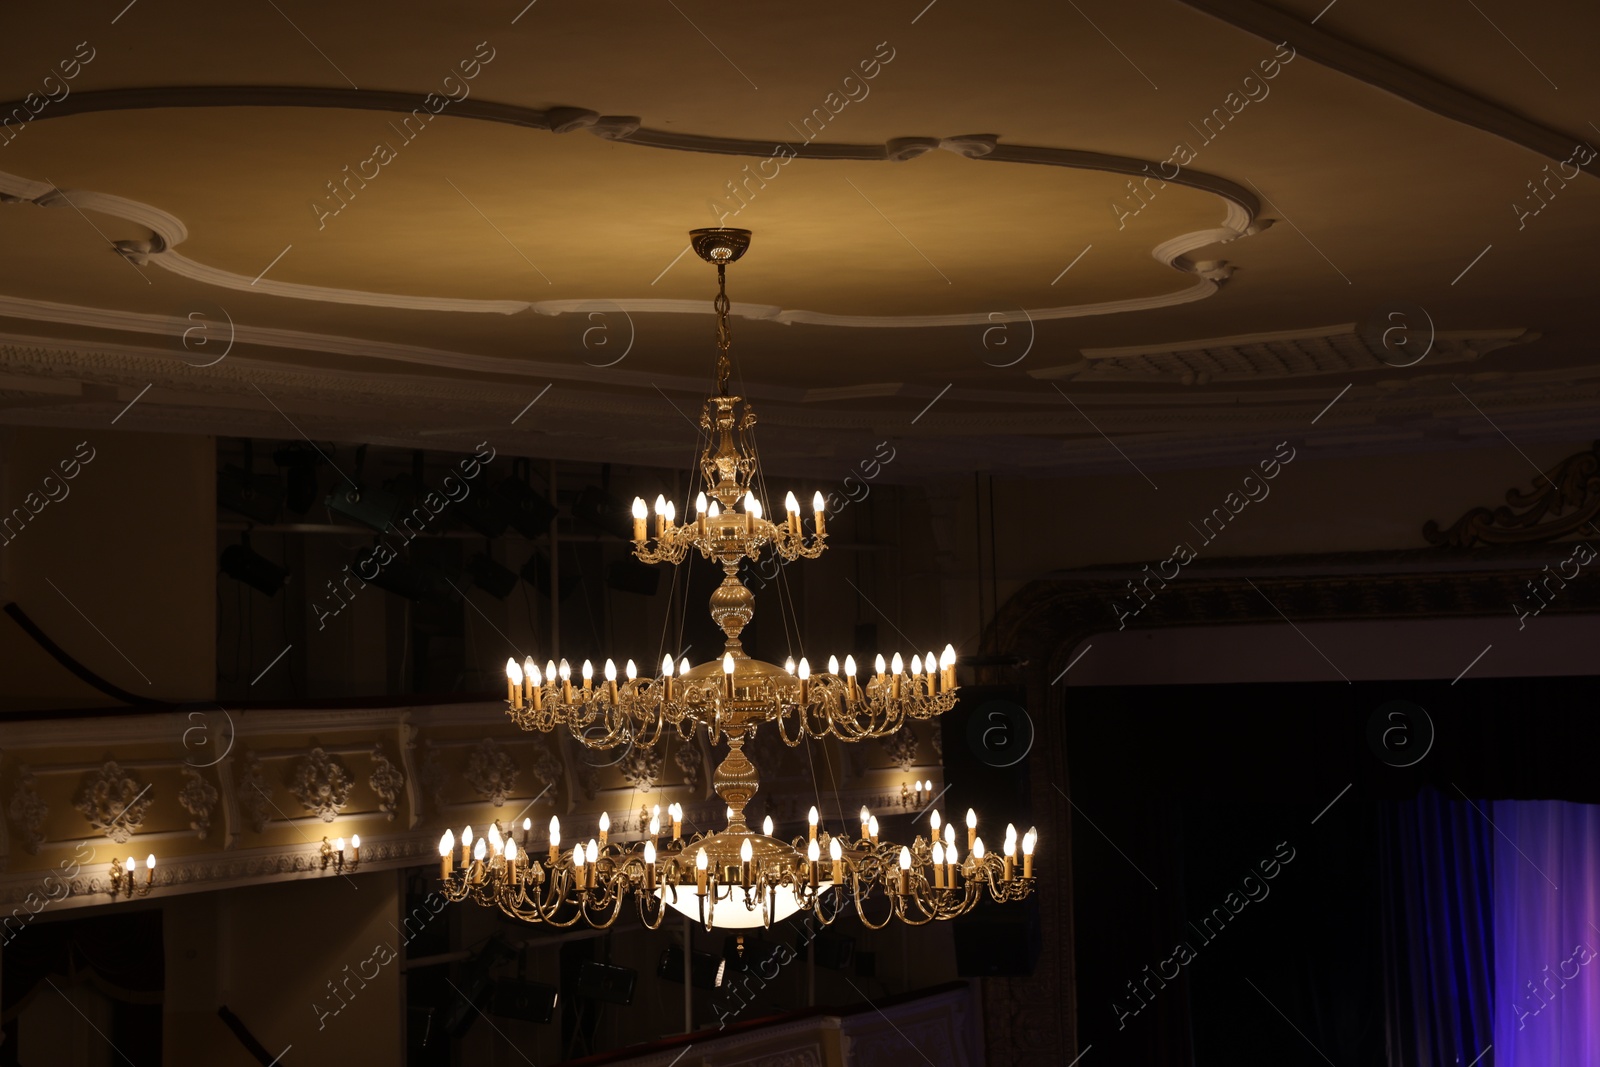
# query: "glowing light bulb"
[835,853]
[897,665]
[150,862]
[865,815]
[479,850]
[355,843]
[727,663]
[555,832]
[805,670]
[611,671]
[816,500]
[511,850]
[933,821]
[938,854]
[1029,841]
[672,513]
[746,853]
[447,843]
[951,853]
[683,665]
[947,658]
[639,510]
[905,858]
[811,816]
[633,671]
[593,851]
[513,672]
[566,671]
[790,504]
[929,664]
[716,509]
[928,785]
[850,666]
[878,664]
[129,866]
[533,674]
[766,826]
[527,825]
[588,671]
[755,508]
[666,666]
[530,669]
[494,839]
[466,837]
[1010,847]
[650,852]
[813,852]
[605,822]
[872,826]
[788,665]
[833,665]
[977,848]
[550,670]
[949,835]
[972,819]
[661,505]
[700,860]
[577,858]
[700,504]
[655,825]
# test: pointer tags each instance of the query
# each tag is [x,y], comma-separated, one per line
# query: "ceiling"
[940,261]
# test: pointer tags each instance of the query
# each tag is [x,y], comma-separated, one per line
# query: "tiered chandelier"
[736,878]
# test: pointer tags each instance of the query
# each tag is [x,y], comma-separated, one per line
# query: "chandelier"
[734,878]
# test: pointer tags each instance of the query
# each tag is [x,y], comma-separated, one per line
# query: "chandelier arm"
[861,912]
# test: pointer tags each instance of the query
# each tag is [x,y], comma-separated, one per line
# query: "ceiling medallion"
[735,878]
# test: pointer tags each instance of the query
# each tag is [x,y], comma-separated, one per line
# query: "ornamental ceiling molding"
[321,782]
[1275,355]
[1240,207]
[113,802]
[1566,503]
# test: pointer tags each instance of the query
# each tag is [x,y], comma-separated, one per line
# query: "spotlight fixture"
[367,505]
[531,1002]
[610,984]
[243,564]
[706,970]
[490,576]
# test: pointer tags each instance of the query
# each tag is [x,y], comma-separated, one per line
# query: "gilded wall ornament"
[198,797]
[113,801]
[687,757]
[254,799]
[28,810]
[491,771]
[901,747]
[641,767]
[387,780]
[322,784]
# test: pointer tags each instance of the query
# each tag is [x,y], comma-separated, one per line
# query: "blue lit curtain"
[1546,970]
[1438,949]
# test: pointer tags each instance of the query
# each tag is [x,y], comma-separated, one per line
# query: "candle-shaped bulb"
[533,673]
[746,853]
[933,821]
[511,850]
[949,835]
[1011,848]
[790,504]
[530,669]
[661,505]
[611,671]
[513,672]
[1029,841]
[129,865]
[977,848]
[672,513]
[355,842]
[905,858]
[605,822]
[727,663]
[566,671]
[850,666]
[666,666]
[835,853]
[550,671]
[676,811]
[593,851]
[655,825]
[650,852]
[897,665]
[527,825]
[872,826]
[766,826]
[947,658]
[951,853]
[865,815]
[700,860]
[639,510]
[833,665]
[788,665]
[466,837]
[633,670]
[150,862]
[700,504]
[588,671]
[813,851]
[447,843]
[878,665]
[683,665]
[938,854]
[479,850]
[928,785]
[804,670]
[811,816]
[816,500]
[577,858]
[972,819]
[555,832]
[715,510]
[494,840]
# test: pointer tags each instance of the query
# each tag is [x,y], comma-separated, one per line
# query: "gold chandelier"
[735,878]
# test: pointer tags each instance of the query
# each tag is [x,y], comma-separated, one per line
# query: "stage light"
[491,577]
[706,970]
[369,506]
[243,564]
[604,982]
[529,1001]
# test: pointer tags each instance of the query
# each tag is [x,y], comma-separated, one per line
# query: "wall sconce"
[334,854]
[123,881]
[913,795]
